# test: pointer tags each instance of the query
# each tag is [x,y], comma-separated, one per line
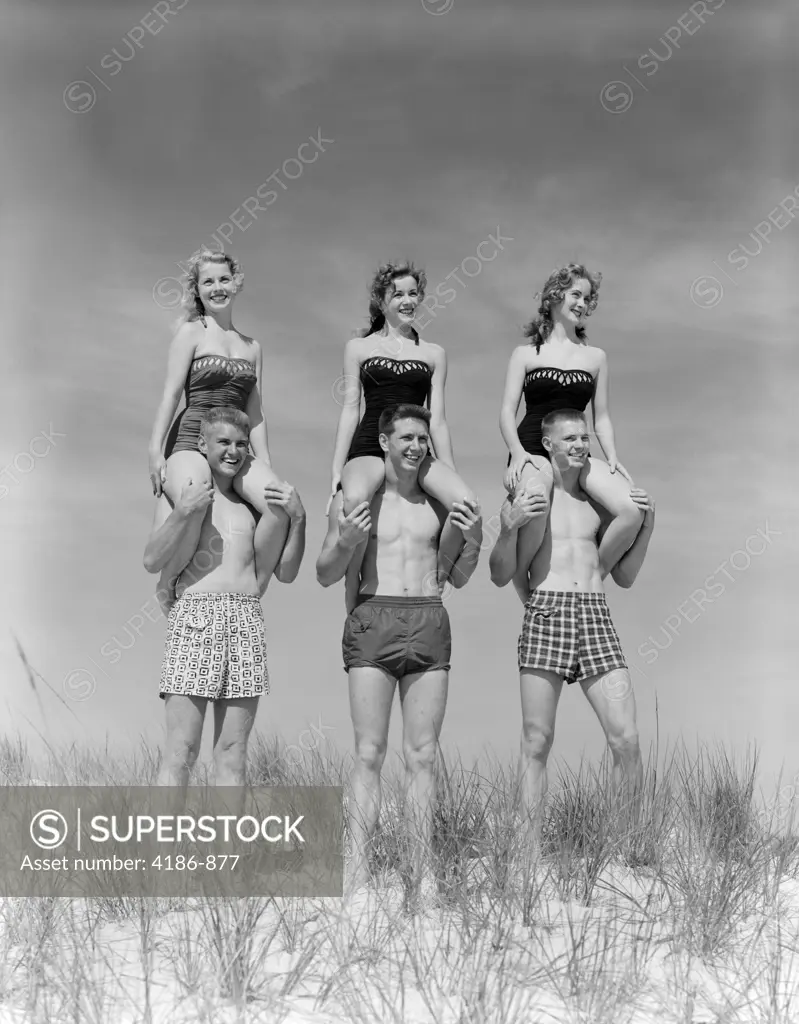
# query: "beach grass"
[689,915]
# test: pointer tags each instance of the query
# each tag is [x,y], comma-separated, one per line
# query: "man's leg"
[611,696]
[233,722]
[540,693]
[371,695]
[184,729]
[423,696]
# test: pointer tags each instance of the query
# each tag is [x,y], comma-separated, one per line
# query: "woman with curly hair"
[558,369]
[389,364]
[213,364]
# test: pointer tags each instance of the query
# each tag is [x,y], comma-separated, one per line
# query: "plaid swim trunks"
[569,632]
[215,647]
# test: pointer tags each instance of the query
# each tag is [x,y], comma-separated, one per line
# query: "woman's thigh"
[443,483]
[611,490]
[253,479]
[361,477]
[182,467]
[535,475]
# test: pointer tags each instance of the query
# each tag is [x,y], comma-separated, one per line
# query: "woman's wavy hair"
[192,303]
[385,276]
[540,327]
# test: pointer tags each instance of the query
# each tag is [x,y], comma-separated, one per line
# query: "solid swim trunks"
[401,635]
[215,647]
[569,632]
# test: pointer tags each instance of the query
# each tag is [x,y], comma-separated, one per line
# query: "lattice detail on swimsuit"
[205,361]
[392,364]
[563,377]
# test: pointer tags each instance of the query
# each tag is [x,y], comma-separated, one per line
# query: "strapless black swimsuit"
[211,381]
[546,389]
[386,382]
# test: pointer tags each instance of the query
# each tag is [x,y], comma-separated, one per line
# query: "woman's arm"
[349,394]
[603,428]
[259,439]
[439,431]
[181,353]
[511,399]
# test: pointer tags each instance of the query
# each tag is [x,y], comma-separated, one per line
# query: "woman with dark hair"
[558,369]
[214,365]
[389,364]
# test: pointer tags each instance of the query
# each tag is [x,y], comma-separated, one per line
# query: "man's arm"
[626,570]
[169,527]
[344,534]
[459,553]
[513,515]
[284,496]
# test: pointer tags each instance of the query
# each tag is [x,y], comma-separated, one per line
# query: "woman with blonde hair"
[213,364]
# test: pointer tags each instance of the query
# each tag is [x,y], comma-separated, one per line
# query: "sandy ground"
[622,959]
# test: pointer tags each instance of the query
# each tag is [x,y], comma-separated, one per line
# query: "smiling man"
[398,631]
[567,633]
[216,639]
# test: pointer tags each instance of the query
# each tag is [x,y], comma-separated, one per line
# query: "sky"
[648,141]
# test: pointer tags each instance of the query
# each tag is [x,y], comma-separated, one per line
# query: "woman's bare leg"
[443,483]
[180,468]
[612,491]
[273,526]
[535,477]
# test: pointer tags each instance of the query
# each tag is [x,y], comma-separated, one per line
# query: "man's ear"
[546,441]
[202,444]
[383,441]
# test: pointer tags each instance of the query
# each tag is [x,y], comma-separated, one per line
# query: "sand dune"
[692,917]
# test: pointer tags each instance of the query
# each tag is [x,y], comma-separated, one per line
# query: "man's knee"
[182,749]
[420,756]
[624,742]
[230,755]
[370,754]
[537,740]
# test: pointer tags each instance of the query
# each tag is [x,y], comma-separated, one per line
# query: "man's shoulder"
[599,510]
[233,503]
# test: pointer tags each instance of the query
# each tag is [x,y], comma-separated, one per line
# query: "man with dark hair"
[398,631]
[567,633]
[216,639]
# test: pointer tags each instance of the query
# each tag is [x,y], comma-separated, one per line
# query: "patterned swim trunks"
[569,632]
[215,647]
